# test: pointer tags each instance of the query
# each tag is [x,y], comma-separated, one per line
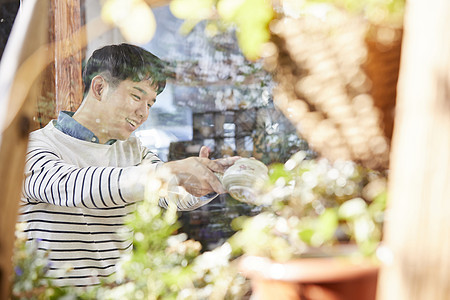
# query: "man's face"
[126,107]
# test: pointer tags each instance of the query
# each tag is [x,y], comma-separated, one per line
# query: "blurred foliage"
[312,205]
[250,18]
[134,18]
[30,269]
[162,265]
[165,265]
[387,12]
[308,206]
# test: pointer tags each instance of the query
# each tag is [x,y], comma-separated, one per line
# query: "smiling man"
[124,107]
[84,171]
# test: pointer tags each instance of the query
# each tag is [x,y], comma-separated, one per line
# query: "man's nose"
[142,112]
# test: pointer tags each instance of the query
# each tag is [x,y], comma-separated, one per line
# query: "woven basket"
[382,67]
[323,88]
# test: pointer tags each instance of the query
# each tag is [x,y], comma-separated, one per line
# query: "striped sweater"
[75,197]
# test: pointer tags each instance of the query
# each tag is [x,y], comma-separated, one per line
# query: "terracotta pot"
[311,278]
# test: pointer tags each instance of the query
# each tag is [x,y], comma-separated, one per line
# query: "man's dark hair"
[125,61]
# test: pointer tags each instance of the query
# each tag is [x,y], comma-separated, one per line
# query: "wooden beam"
[20,67]
[417,264]
[63,87]
[69,86]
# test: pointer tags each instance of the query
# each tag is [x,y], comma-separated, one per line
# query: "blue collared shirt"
[68,125]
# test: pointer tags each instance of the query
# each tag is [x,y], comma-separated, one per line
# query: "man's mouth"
[132,122]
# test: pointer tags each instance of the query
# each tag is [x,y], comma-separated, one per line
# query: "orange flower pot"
[311,278]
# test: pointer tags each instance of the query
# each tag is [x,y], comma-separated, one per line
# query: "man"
[83,171]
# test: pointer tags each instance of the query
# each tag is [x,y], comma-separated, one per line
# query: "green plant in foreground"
[312,205]
[164,264]
[308,204]
[387,12]
[30,269]
[250,18]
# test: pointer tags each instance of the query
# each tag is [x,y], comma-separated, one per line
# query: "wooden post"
[418,220]
[25,56]
[60,60]
[63,87]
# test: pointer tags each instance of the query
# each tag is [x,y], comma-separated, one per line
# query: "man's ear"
[98,87]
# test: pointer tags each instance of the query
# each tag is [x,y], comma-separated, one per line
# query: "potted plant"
[318,233]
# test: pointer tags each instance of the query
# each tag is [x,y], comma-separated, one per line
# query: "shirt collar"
[68,125]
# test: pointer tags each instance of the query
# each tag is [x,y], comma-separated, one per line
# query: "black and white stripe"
[76,196]
[84,244]
[49,178]
[75,201]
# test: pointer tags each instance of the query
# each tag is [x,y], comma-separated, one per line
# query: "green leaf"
[277,171]
[252,19]
[238,223]
[306,234]
[228,9]
[327,224]
[251,40]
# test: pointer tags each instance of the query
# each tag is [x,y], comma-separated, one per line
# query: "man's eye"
[151,103]
[135,97]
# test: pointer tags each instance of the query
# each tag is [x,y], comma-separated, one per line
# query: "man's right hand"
[196,174]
